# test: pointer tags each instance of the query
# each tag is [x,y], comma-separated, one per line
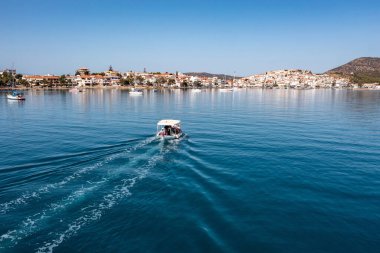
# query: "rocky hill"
[205,74]
[361,70]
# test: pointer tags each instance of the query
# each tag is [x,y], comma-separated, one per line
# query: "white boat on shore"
[135,92]
[169,129]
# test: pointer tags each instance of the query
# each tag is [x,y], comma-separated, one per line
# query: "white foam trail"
[34,223]
[30,224]
[27,196]
[94,212]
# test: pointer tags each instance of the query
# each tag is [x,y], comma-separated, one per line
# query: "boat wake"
[26,197]
[32,223]
[42,220]
[94,212]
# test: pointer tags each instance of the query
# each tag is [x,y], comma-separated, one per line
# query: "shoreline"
[169,88]
[143,87]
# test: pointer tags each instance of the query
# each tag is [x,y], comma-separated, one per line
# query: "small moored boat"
[169,129]
[76,89]
[16,96]
[226,90]
[136,92]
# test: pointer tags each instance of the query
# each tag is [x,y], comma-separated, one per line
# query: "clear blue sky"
[248,37]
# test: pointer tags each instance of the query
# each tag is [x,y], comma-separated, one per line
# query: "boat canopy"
[16,93]
[169,122]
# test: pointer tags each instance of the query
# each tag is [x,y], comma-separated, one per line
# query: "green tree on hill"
[197,84]
[139,80]
[6,78]
[184,84]
[171,81]
[361,79]
[161,80]
[99,73]
[129,80]
[62,80]
[23,82]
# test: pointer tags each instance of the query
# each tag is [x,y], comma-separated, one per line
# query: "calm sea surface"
[258,171]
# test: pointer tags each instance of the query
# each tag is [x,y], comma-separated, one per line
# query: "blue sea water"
[258,171]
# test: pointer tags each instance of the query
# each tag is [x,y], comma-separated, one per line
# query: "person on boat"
[170,130]
[167,131]
[176,130]
[162,131]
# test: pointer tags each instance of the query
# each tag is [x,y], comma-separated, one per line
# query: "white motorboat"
[226,90]
[169,129]
[15,96]
[196,90]
[135,92]
[76,89]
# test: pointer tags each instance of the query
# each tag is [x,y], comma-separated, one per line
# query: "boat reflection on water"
[13,103]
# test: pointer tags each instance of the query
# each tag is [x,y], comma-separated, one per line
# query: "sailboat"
[235,88]
[15,95]
[225,89]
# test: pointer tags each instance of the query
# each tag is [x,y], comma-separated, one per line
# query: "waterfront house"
[42,80]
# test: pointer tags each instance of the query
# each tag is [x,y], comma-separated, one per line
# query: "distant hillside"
[361,70]
[205,74]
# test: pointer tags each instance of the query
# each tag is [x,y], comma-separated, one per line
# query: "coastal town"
[83,77]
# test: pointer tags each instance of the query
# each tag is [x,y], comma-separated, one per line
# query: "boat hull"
[225,90]
[135,93]
[169,137]
[11,97]
[75,90]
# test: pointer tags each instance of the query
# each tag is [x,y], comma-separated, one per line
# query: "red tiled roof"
[41,77]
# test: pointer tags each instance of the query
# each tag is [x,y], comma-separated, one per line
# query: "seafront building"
[42,80]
